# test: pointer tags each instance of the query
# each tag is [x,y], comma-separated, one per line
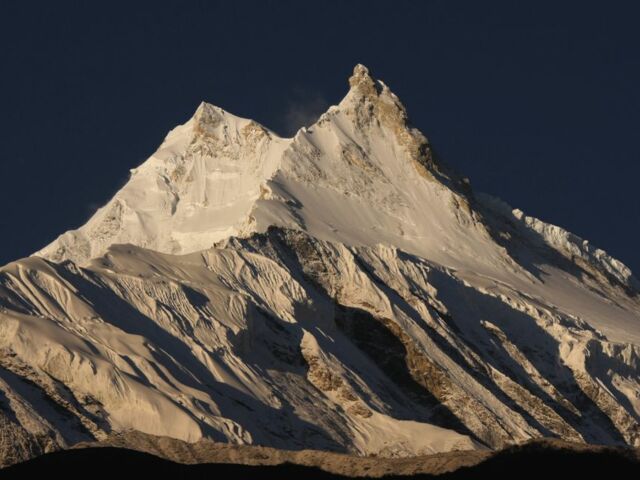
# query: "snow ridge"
[566,242]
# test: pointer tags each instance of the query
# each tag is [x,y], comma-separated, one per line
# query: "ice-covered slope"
[341,290]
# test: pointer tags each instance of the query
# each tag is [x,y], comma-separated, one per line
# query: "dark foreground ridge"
[534,459]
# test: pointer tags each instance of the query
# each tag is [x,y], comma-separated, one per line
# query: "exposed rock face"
[339,290]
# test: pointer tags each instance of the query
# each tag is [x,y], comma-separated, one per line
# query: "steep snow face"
[362,175]
[196,189]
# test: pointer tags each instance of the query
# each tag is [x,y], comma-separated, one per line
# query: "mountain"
[340,290]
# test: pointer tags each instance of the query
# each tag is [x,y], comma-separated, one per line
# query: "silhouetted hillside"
[536,459]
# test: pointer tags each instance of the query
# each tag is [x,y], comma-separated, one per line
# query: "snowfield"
[339,290]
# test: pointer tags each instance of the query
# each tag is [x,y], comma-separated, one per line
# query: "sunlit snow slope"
[341,289]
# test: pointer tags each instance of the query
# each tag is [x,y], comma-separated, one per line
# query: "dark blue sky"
[538,104]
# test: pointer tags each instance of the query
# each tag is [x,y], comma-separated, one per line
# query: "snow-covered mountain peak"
[370,99]
[362,175]
[362,81]
[364,86]
[370,105]
[196,189]
[203,183]
[208,119]
[340,289]
[214,125]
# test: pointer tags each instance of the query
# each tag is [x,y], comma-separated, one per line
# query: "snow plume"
[303,110]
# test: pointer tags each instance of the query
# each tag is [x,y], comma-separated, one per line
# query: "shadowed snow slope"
[338,290]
